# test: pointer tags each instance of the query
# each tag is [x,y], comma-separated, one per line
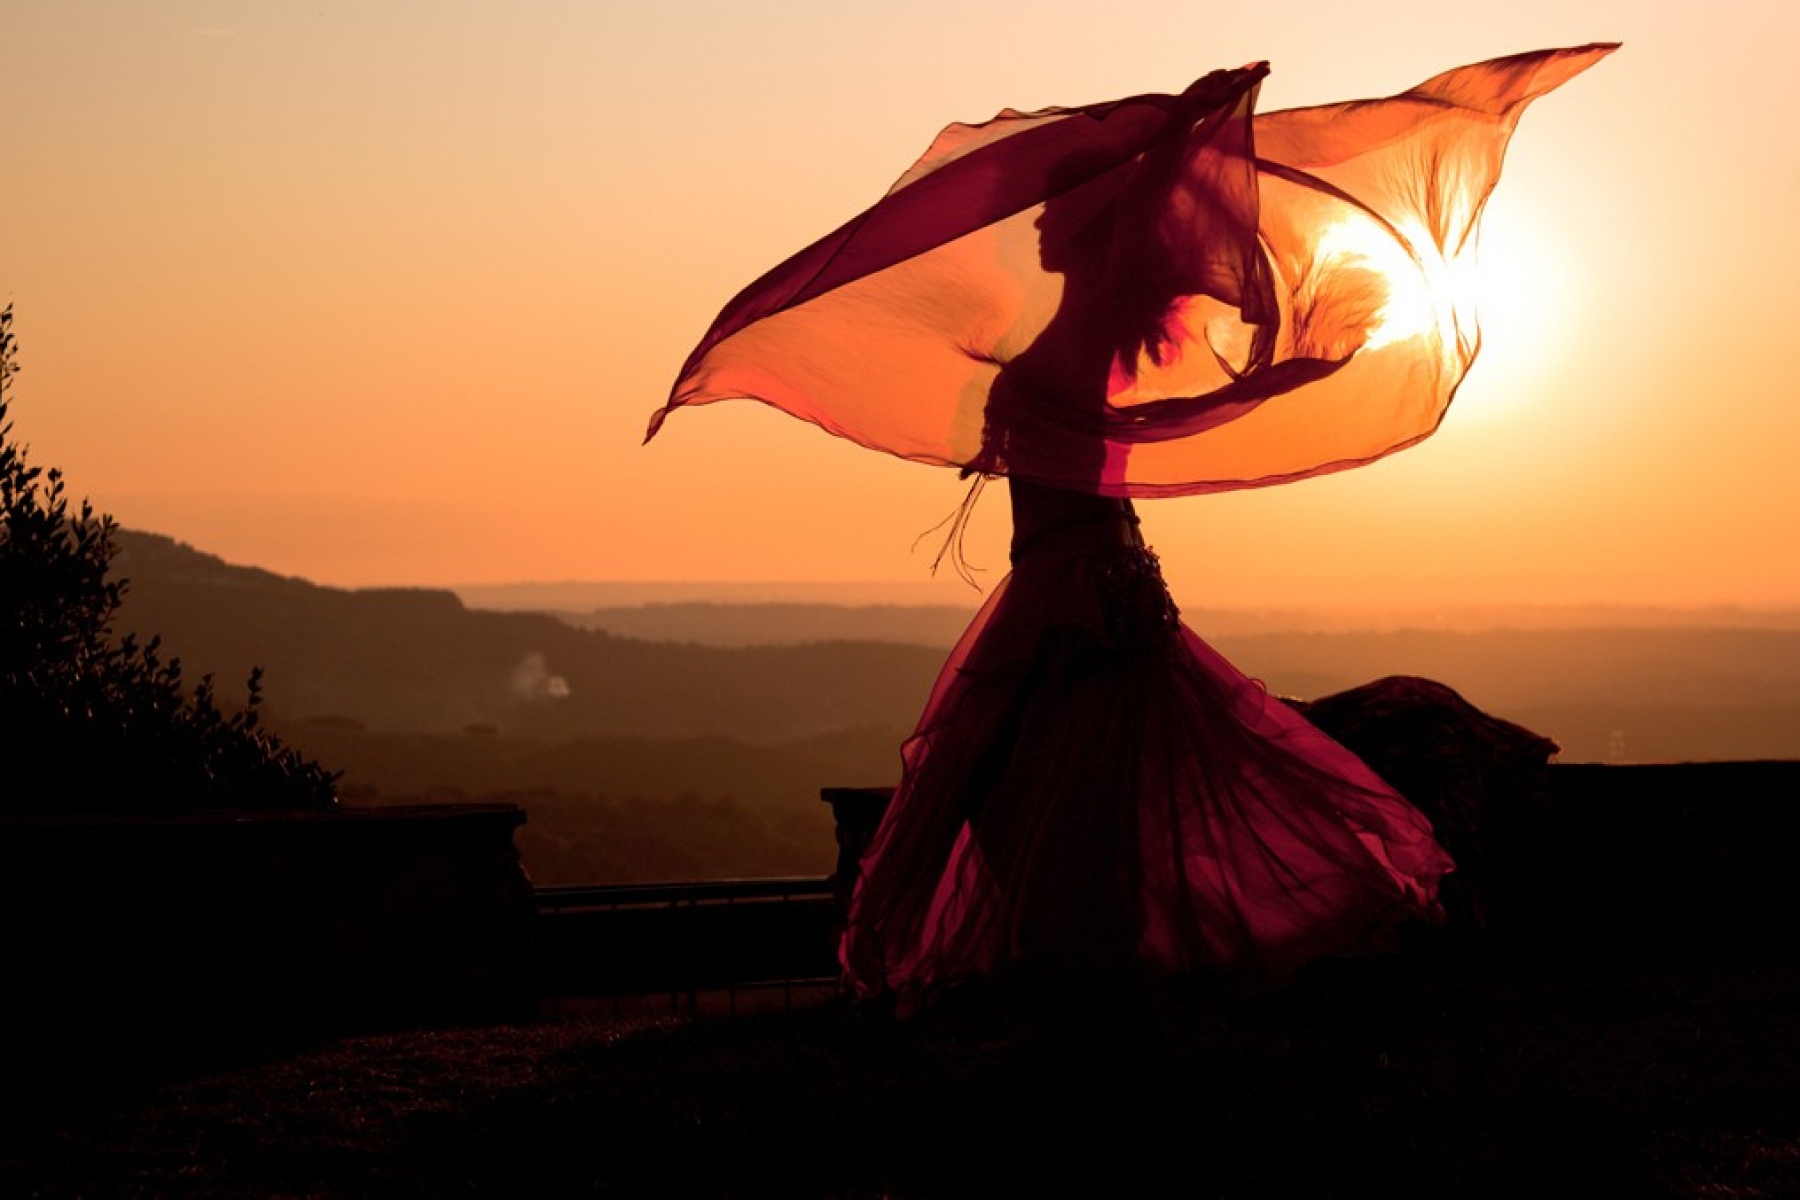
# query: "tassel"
[952,548]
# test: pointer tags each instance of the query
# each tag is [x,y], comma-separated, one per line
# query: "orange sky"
[383,293]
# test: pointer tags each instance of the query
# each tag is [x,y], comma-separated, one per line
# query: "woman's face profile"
[1070,228]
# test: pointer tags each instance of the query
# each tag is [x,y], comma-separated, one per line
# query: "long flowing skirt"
[1092,788]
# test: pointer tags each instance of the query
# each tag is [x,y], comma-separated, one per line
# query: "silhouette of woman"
[1091,788]
[1155,296]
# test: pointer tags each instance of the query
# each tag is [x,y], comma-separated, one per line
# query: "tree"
[89,722]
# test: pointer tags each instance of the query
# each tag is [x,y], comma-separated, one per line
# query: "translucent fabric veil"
[1156,296]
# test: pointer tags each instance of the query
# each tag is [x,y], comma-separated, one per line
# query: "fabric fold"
[1155,296]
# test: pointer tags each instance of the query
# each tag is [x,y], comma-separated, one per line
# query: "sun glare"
[1511,288]
[1416,294]
[1525,294]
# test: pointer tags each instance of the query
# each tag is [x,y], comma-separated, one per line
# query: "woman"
[1092,789]
[1157,296]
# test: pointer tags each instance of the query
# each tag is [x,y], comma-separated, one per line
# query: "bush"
[91,723]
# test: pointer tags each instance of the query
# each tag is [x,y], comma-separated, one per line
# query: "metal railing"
[686,940]
[612,896]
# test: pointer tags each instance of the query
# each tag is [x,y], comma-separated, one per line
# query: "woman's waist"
[1093,534]
[1058,521]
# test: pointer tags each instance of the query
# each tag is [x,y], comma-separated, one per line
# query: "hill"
[643,759]
[418,661]
[710,623]
[635,760]
[721,620]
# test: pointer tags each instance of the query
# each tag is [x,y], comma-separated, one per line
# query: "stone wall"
[303,919]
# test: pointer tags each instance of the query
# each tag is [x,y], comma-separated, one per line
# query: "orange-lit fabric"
[1162,295]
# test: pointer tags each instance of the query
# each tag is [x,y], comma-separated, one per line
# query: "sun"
[1509,291]
[1525,294]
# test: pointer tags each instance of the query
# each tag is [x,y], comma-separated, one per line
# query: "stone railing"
[396,915]
[284,918]
[1579,858]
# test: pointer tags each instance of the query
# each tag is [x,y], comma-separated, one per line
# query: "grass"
[1439,1078]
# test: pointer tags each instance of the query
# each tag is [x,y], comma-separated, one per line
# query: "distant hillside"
[711,624]
[617,809]
[1646,695]
[777,614]
[646,759]
[418,661]
[1502,667]
[1512,669]
[581,596]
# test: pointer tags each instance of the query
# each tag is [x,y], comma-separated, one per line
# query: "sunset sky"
[384,293]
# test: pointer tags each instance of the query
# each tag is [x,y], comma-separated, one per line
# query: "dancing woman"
[1158,296]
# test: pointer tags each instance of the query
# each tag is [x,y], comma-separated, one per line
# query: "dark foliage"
[91,723]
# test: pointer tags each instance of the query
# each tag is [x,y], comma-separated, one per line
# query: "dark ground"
[1443,1077]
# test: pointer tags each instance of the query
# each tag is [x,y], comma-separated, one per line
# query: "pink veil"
[1155,296]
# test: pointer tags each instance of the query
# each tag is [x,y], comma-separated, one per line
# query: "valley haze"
[659,731]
